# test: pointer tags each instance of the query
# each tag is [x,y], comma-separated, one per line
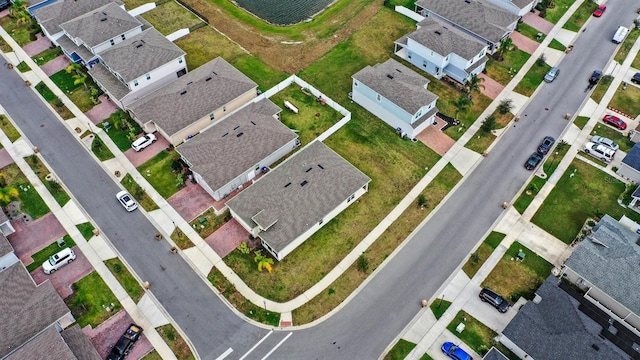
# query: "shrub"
[363,263]
[422,200]
[488,124]
[505,106]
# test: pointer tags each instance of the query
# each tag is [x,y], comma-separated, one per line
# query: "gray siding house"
[237,148]
[291,202]
[397,95]
[517,7]
[630,165]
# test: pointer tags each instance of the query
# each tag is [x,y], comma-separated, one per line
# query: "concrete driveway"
[435,139]
[104,336]
[66,276]
[228,237]
[138,158]
[191,201]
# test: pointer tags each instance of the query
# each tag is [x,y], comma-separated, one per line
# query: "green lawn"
[587,193]
[90,299]
[101,149]
[481,140]
[636,62]
[121,129]
[503,71]
[439,307]
[47,55]
[79,94]
[31,202]
[627,100]
[555,44]
[477,258]
[177,344]
[426,357]
[54,187]
[64,81]
[601,88]
[181,240]
[524,200]
[400,350]
[157,171]
[137,192]
[613,134]
[530,32]
[54,101]
[86,229]
[532,79]
[21,33]
[153,355]
[42,255]
[624,49]
[581,121]
[169,17]
[128,282]
[476,335]
[7,127]
[208,222]
[580,16]
[553,14]
[4,46]
[23,67]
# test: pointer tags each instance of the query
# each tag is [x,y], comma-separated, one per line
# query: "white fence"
[177,34]
[409,13]
[142,9]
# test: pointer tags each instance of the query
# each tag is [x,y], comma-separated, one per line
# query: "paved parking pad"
[138,158]
[102,111]
[104,336]
[435,139]
[191,201]
[67,275]
[31,237]
[227,238]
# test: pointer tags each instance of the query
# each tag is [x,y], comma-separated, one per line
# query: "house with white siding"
[518,7]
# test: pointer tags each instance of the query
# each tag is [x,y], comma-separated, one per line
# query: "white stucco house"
[518,7]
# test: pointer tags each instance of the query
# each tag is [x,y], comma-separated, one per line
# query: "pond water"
[284,12]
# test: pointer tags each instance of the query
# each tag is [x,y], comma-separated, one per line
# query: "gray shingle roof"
[494,354]
[555,329]
[613,269]
[5,246]
[27,309]
[237,143]
[101,24]
[47,345]
[486,20]
[79,343]
[521,3]
[397,83]
[633,157]
[328,181]
[51,16]
[114,86]
[140,54]
[191,97]
[445,39]
[71,47]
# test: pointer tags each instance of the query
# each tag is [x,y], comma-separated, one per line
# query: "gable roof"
[101,24]
[610,260]
[51,16]
[115,87]
[180,103]
[237,143]
[397,83]
[5,246]
[46,345]
[521,3]
[27,309]
[140,54]
[445,39]
[297,194]
[633,157]
[494,354]
[79,343]
[556,329]
[483,19]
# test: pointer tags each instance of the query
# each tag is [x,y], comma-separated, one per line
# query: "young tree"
[461,104]
[488,124]
[505,45]
[474,84]
[263,261]
[505,106]
[8,194]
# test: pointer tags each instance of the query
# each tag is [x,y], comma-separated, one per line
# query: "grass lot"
[182,241]
[532,79]
[601,88]
[580,16]
[4,46]
[481,141]
[136,191]
[47,55]
[482,253]
[513,279]
[627,100]
[306,120]
[379,250]
[613,134]
[7,127]
[101,149]
[477,335]
[588,193]
[170,17]
[243,305]
[211,222]
[121,125]
[79,94]
[42,255]
[89,300]
[128,282]
[177,344]
[400,350]
[635,64]
[205,44]
[158,173]
[503,71]
[439,307]
[559,8]
[153,355]
[555,44]
[54,101]
[581,121]
[23,67]
[624,49]
[56,190]
[530,32]
[426,357]
[86,229]
[31,202]
[21,33]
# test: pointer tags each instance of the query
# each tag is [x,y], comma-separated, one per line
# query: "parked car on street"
[58,260]
[127,201]
[599,10]
[636,78]
[143,141]
[453,351]
[494,299]
[615,122]
[533,161]
[605,141]
[546,145]
[599,151]
[125,343]
[595,77]
[552,74]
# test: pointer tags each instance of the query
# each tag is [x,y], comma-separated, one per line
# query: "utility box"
[460,327]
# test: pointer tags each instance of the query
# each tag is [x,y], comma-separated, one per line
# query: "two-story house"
[397,95]
[518,7]
[441,49]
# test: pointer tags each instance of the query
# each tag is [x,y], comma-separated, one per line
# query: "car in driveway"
[533,161]
[143,141]
[494,299]
[552,74]
[125,343]
[455,352]
[636,78]
[58,260]
[546,145]
[599,10]
[599,151]
[615,122]
[127,201]
[595,77]
[605,141]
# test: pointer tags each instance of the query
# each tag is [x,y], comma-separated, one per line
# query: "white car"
[604,141]
[60,259]
[127,200]
[143,141]
[599,151]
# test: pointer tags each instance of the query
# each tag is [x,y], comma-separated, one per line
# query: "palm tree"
[79,77]
[505,45]
[461,104]
[474,84]
[8,194]
[17,8]
[263,261]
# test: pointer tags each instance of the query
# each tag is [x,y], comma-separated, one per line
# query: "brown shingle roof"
[79,343]
[51,16]
[47,345]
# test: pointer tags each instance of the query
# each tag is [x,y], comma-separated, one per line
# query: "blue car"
[453,351]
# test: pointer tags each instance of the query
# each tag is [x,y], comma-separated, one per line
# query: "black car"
[546,145]
[636,78]
[4,4]
[126,342]
[494,299]
[595,77]
[533,162]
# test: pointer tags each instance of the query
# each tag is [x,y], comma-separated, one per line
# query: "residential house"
[293,201]
[7,255]
[634,135]
[237,148]
[69,344]
[605,265]
[630,165]
[182,108]
[5,224]
[517,7]
[482,20]
[397,95]
[557,325]
[494,354]
[441,49]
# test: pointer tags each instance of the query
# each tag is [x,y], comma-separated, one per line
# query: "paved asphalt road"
[369,322]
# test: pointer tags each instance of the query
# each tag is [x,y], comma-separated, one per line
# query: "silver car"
[605,141]
[552,74]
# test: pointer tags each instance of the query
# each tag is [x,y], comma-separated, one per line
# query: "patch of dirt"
[288,58]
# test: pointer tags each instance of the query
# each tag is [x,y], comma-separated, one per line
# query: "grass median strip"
[128,282]
[482,253]
[400,350]
[137,192]
[48,179]
[177,344]
[7,127]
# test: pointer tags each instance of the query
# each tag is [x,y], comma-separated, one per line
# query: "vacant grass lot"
[574,199]
[137,192]
[580,16]
[503,71]
[177,344]
[30,200]
[157,171]
[8,129]
[627,100]
[558,8]
[128,282]
[481,141]
[169,17]
[51,249]
[400,350]
[477,258]
[53,186]
[532,79]
[624,49]
[90,298]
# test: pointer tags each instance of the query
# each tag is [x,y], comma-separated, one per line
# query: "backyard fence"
[204,18]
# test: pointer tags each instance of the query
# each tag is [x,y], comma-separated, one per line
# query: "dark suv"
[4,4]
[494,299]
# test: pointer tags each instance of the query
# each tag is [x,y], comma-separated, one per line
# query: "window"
[180,60]
[257,167]
[447,58]
[321,221]
[224,108]
[378,97]
[123,37]
[211,116]
[112,42]
[419,113]
[424,63]
[353,196]
[135,82]
[355,83]
[148,76]
[437,70]
[409,54]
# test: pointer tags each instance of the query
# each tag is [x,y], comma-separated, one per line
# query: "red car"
[600,10]
[615,122]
